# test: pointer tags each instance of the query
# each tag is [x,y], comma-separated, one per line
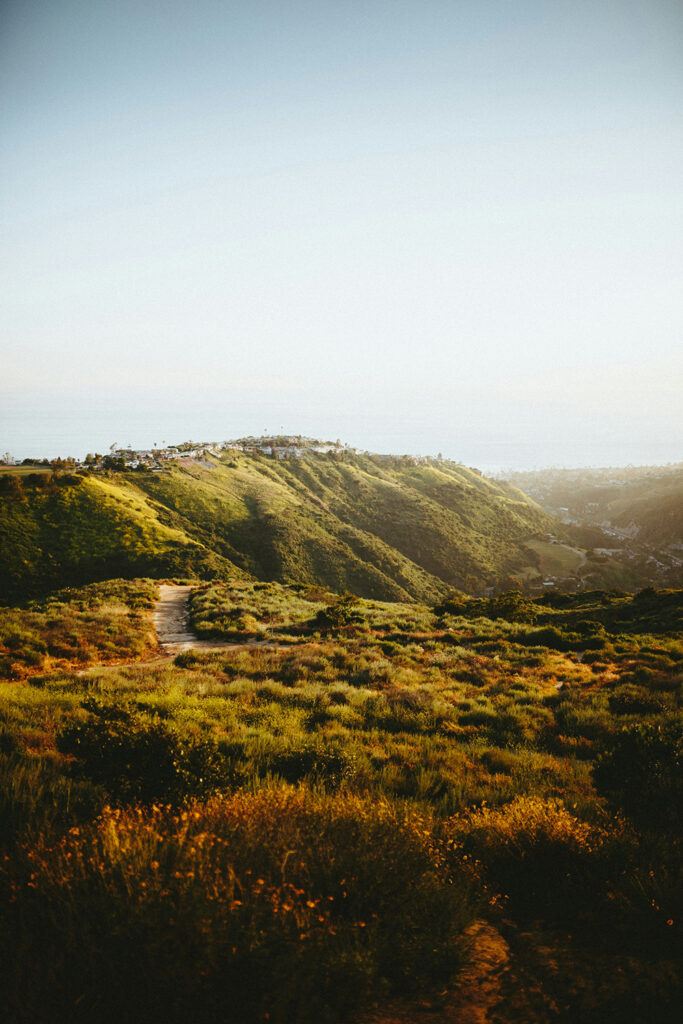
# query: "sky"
[420,227]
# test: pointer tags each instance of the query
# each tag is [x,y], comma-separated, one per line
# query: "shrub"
[135,759]
[551,637]
[342,612]
[640,771]
[315,761]
[511,606]
[634,700]
[531,851]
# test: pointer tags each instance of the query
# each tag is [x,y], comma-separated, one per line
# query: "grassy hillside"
[325,830]
[72,529]
[389,530]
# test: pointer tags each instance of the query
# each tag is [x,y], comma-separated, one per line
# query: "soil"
[172,624]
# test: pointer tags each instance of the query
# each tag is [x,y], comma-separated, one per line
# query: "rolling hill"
[74,529]
[382,527]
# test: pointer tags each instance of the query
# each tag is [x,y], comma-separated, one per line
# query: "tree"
[11,487]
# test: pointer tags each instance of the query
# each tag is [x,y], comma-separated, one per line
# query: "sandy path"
[171,616]
[172,624]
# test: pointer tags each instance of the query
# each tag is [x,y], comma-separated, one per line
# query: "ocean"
[76,431]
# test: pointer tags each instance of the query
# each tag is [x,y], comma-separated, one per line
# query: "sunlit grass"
[432,770]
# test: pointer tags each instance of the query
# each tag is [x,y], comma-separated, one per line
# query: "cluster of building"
[146,458]
[154,458]
[285,447]
[276,447]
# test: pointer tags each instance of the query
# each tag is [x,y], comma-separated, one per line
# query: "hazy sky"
[421,226]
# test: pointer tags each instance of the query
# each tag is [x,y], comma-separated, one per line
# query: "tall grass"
[280,905]
[298,831]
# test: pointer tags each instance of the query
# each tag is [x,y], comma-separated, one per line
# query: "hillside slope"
[386,529]
[66,532]
[382,529]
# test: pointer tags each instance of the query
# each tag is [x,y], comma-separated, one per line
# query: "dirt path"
[475,998]
[172,619]
[172,624]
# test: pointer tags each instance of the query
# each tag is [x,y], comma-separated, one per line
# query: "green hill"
[72,530]
[382,528]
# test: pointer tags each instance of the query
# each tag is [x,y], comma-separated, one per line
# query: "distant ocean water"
[64,432]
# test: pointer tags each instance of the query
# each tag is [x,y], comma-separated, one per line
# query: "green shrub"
[342,612]
[315,761]
[634,700]
[640,771]
[135,759]
[533,852]
[511,606]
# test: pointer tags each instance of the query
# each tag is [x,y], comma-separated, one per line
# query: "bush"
[532,851]
[329,765]
[634,700]
[135,759]
[512,607]
[640,771]
[343,612]
[552,638]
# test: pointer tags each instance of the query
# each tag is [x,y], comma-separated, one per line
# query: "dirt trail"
[477,996]
[172,624]
[171,618]
[174,634]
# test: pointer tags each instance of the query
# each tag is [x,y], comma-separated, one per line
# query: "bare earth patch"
[172,624]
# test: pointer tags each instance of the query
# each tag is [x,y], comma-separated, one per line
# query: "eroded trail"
[172,624]
[172,618]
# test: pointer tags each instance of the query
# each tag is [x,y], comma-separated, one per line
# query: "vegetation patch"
[304,828]
[280,905]
[102,622]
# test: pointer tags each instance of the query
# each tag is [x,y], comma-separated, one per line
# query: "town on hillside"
[292,446]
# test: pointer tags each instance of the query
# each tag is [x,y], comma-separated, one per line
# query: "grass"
[104,622]
[555,559]
[303,831]
[25,470]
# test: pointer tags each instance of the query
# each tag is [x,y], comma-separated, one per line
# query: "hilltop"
[387,527]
